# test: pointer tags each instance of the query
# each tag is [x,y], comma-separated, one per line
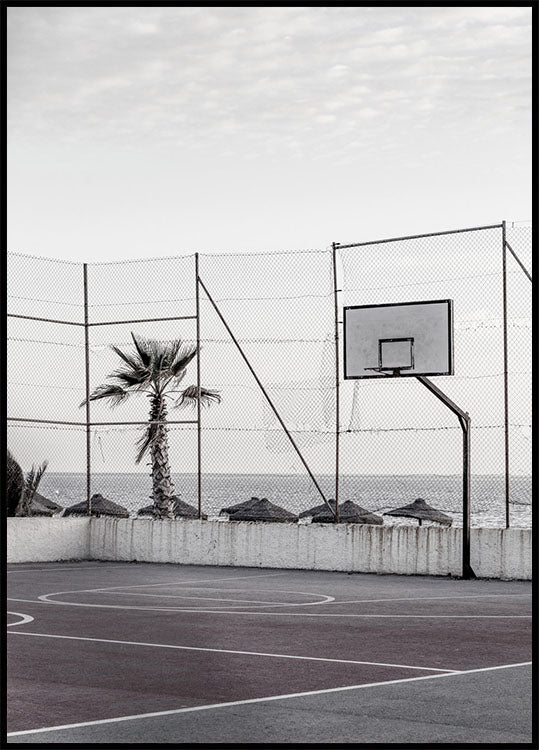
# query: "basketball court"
[103,652]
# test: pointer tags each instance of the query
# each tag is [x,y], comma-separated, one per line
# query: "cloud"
[141,27]
[122,75]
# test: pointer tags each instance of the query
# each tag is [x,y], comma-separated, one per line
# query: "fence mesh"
[397,442]
[397,428]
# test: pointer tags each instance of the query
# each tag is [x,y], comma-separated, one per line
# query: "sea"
[296,493]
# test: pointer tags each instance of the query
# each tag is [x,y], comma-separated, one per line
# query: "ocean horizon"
[297,492]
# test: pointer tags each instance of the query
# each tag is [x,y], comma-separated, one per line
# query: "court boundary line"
[245,602]
[237,612]
[73,567]
[230,651]
[247,701]
[25,619]
[325,600]
[170,583]
[428,598]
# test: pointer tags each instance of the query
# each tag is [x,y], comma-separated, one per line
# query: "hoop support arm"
[465,421]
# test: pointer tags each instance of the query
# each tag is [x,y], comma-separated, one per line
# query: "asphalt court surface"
[137,652]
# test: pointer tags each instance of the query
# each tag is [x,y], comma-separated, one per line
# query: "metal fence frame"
[200,286]
[505,247]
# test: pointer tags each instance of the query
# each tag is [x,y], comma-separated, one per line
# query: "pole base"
[467,572]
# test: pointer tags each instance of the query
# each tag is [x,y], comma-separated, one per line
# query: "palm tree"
[31,483]
[14,483]
[156,369]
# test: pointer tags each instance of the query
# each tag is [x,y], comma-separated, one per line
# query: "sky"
[140,132]
[158,132]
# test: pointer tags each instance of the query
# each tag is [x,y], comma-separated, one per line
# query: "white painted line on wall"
[262,700]
[229,651]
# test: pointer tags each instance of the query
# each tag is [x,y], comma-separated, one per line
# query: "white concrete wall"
[408,550]
[501,553]
[47,539]
[362,548]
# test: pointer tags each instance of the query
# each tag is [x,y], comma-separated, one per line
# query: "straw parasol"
[349,512]
[100,506]
[42,506]
[181,509]
[39,509]
[421,510]
[317,509]
[262,510]
[239,507]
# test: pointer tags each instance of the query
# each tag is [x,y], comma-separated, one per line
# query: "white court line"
[199,598]
[25,619]
[246,602]
[262,700]
[190,584]
[74,567]
[428,598]
[253,604]
[195,610]
[229,651]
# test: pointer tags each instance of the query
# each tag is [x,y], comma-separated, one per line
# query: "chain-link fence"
[267,344]
[395,428]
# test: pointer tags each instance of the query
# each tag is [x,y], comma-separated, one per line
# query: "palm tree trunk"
[163,488]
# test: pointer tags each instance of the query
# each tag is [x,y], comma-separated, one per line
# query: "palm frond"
[189,396]
[145,441]
[114,392]
[131,378]
[33,478]
[172,349]
[144,349]
[132,360]
[207,396]
[183,356]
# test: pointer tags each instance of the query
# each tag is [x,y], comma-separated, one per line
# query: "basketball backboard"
[405,338]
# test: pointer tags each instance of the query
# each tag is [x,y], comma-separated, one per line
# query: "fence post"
[337,384]
[199,428]
[505,376]
[87,366]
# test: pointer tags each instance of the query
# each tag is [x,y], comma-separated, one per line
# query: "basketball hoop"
[392,371]
[403,339]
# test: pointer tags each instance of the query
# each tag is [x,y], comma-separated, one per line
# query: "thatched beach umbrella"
[100,506]
[39,509]
[181,509]
[48,503]
[262,510]
[349,512]
[421,510]
[317,509]
[229,510]
[42,506]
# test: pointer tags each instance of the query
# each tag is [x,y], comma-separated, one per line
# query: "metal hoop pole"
[464,419]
